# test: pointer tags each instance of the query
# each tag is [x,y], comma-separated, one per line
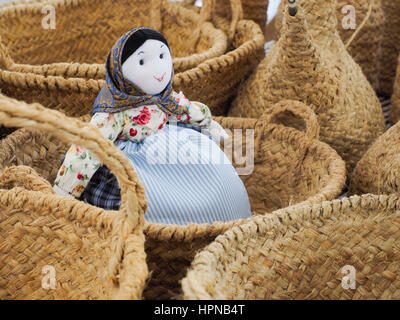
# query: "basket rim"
[280,219]
[219,40]
[27,78]
[337,174]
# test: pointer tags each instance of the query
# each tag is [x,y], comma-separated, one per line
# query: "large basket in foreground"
[89,252]
[305,252]
[289,167]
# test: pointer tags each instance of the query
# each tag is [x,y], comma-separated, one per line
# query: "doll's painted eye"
[141,62]
[162,56]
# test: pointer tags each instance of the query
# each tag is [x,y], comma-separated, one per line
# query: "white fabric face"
[150,67]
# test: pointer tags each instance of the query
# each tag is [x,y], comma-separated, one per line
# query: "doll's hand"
[217,132]
[196,113]
[61,192]
[200,115]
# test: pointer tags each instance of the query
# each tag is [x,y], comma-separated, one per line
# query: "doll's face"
[150,67]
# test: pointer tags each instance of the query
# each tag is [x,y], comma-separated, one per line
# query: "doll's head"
[146,61]
[139,72]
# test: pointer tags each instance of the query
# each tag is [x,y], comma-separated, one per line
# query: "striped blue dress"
[186,176]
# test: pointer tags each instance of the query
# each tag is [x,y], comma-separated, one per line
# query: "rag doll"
[186,176]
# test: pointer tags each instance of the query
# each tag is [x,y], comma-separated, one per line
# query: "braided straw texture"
[85,31]
[96,254]
[395,110]
[378,171]
[73,87]
[225,14]
[256,10]
[390,46]
[290,166]
[366,47]
[300,252]
[310,64]
[223,11]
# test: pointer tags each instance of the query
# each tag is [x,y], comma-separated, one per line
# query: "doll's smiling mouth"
[160,79]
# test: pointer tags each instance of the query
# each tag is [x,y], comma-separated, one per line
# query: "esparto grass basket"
[366,47]
[290,166]
[84,31]
[378,171]
[342,249]
[225,12]
[309,63]
[90,253]
[73,87]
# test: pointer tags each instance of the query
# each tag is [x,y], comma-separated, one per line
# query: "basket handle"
[128,228]
[300,110]
[26,177]
[208,8]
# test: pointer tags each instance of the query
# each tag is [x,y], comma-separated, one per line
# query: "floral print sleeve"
[199,114]
[81,164]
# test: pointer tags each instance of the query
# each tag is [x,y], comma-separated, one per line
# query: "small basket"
[378,171]
[89,252]
[290,166]
[343,249]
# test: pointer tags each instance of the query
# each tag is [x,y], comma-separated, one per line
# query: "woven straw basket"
[95,254]
[395,110]
[302,66]
[226,11]
[390,46]
[73,88]
[365,48]
[290,167]
[305,252]
[85,31]
[378,171]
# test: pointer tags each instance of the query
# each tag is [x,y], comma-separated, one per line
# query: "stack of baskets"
[299,240]
[85,32]
[298,169]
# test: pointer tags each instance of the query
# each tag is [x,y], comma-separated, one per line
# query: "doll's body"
[138,111]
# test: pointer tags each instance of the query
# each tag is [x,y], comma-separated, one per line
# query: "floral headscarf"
[119,94]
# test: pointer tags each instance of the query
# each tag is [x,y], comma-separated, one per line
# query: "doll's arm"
[81,164]
[199,113]
[200,116]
